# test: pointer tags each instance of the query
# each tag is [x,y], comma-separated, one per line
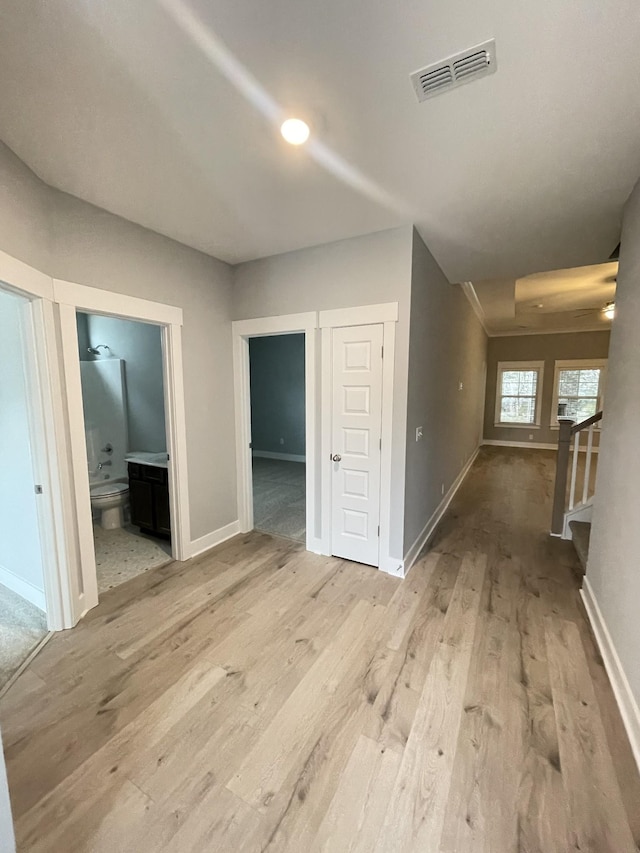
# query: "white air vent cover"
[455,71]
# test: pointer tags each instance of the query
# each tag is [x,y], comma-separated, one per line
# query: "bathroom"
[121,371]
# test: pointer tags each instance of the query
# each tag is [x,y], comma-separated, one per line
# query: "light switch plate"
[419,433]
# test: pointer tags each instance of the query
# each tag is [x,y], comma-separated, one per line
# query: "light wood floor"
[262,698]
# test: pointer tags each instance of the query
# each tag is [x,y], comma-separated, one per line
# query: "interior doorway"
[278,435]
[23,619]
[121,374]
[73,298]
[303,326]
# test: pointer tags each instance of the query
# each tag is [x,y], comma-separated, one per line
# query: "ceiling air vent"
[455,71]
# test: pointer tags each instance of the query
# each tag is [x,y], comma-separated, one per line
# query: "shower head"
[96,350]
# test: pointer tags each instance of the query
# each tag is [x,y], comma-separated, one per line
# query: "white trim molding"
[518,333]
[387,563]
[532,445]
[427,531]
[285,324]
[363,315]
[538,367]
[47,437]
[216,537]
[23,279]
[272,454]
[242,331]
[23,588]
[97,301]
[577,364]
[470,292]
[76,297]
[629,710]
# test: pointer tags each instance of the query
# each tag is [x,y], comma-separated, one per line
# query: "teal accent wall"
[277,394]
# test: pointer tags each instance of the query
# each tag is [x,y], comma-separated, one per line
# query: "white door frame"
[73,297]
[242,330]
[365,315]
[47,432]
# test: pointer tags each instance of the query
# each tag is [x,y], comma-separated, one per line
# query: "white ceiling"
[524,170]
[558,301]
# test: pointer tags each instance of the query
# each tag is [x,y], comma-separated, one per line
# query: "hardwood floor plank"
[262,699]
[354,819]
[288,740]
[86,786]
[415,814]
[598,819]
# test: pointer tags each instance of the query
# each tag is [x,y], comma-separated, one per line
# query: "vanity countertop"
[144,457]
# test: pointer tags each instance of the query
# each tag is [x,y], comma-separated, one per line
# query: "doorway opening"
[278,435]
[23,618]
[245,332]
[121,373]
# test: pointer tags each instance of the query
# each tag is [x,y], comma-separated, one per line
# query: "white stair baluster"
[587,467]
[574,470]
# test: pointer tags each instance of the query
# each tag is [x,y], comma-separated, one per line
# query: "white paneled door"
[355,451]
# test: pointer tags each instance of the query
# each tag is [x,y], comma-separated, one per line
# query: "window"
[579,387]
[519,390]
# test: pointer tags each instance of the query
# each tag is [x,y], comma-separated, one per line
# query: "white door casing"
[242,330]
[356,442]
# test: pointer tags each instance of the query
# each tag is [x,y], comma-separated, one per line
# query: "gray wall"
[20,553]
[547,348]
[613,569]
[361,271]
[25,206]
[447,347]
[72,240]
[277,394]
[140,345]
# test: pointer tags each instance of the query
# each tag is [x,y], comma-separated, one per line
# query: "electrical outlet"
[282,441]
[460,386]
[530,436]
[419,434]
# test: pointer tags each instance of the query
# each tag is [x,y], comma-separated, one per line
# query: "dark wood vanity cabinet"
[149,498]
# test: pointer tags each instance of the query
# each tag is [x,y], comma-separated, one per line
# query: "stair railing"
[569,430]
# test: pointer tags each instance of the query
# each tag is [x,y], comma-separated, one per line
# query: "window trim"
[518,365]
[577,364]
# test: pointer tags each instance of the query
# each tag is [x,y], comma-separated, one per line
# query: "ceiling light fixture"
[295,131]
[609,310]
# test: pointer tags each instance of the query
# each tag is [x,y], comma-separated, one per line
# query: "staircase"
[571,518]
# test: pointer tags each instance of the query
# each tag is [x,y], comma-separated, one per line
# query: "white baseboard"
[287,457]
[532,445]
[23,588]
[392,566]
[210,540]
[412,554]
[629,710]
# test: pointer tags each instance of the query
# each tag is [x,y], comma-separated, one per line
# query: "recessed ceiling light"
[609,310]
[295,131]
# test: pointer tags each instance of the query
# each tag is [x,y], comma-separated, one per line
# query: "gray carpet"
[279,497]
[22,627]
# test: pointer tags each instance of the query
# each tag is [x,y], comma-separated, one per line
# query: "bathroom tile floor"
[279,497]
[124,553]
[22,627]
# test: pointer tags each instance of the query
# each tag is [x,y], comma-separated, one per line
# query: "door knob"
[336,457]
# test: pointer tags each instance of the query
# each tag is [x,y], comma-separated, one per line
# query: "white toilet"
[109,499]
